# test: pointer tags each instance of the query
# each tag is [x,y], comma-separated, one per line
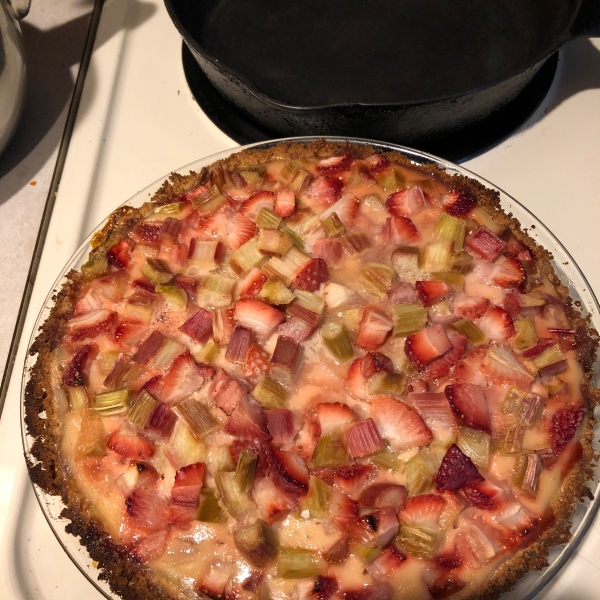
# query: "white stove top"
[137,121]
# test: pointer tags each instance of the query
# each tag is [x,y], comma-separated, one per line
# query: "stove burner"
[456,147]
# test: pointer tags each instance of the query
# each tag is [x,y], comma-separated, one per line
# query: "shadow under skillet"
[459,146]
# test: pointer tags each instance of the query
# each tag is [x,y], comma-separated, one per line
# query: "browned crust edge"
[126,576]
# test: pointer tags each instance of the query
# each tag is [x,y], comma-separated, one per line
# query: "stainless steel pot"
[12,67]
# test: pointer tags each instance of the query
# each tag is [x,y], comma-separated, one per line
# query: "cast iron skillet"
[405,71]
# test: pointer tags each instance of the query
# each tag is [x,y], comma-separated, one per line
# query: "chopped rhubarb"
[384,494]
[226,391]
[162,420]
[486,243]
[197,417]
[285,353]
[199,326]
[280,423]
[257,542]
[239,344]
[362,438]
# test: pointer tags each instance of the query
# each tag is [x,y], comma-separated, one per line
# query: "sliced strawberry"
[324,191]
[380,590]
[257,315]
[92,325]
[424,511]
[485,495]
[376,528]
[435,410]
[199,326]
[444,586]
[373,329]
[456,471]
[440,367]
[335,164]
[312,275]
[406,203]
[334,415]
[272,502]
[240,229]
[402,292]
[247,420]
[128,443]
[509,273]
[238,344]
[363,438]
[215,583]
[432,291]
[352,478]
[362,369]
[324,588]
[429,343]
[152,546]
[373,362]
[291,469]
[384,494]
[226,391]
[280,423]
[330,250]
[119,255]
[503,367]
[285,203]
[187,486]
[470,307]
[473,545]
[184,378]
[342,508]
[162,420]
[398,423]
[223,326]
[90,303]
[148,508]
[486,244]
[256,362]
[387,563]
[252,283]
[563,426]
[149,232]
[262,199]
[377,163]
[469,405]
[345,208]
[78,369]
[458,202]
[497,324]
[297,329]
[400,230]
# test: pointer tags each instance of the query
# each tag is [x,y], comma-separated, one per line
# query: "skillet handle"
[587,21]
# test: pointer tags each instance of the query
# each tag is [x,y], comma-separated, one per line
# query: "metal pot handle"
[20,7]
[587,21]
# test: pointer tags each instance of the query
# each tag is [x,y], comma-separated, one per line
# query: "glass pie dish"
[563,264]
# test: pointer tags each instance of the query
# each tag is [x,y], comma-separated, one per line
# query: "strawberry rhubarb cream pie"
[314,372]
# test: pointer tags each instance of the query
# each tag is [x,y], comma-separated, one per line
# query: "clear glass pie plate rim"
[570,274]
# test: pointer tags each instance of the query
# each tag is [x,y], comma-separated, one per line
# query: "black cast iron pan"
[404,71]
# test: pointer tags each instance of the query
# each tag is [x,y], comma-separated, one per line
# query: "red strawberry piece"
[469,405]
[188,284]
[497,324]
[335,164]
[509,273]
[456,471]
[240,229]
[475,543]
[262,199]
[312,275]
[429,343]
[330,250]
[334,415]
[239,344]
[363,438]
[162,420]
[398,423]
[149,232]
[251,583]
[169,230]
[291,469]
[458,202]
[324,191]
[362,369]
[448,561]
[273,502]
[149,348]
[504,367]
[280,423]
[181,516]
[389,561]
[199,326]
[92,325]
[376,528]
[215,583]
[252,283]
[119,255]
[402,292]
[256,362]
[247,420]
[187,486]
[435,410]
[324,588]
[297,328]
[223,326]
[373,362]
[440,367]
[563,426]
[444,586]
[384,494]
[373,329]
[345,208]
[342,508]
[470,307]
[126,442]
[406,203]
[424,511]
[377,163]
[379,590]
[226,391]
[152,546]
[285,203]
[352,478]
[257,315]
[183,379]
[400,230]
[78,369]
[486,244]
[485,495]
[432,291]
[148,508]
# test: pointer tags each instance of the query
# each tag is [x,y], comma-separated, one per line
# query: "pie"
[310,372]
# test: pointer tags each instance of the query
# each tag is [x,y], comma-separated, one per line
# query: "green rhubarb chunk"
[337,339]
[166,354]
[333,225]
[289,265]
[197,417]
[436,256]
[272,242]
[418,541]
[470,331]
[512,400]
[408,319]
[450,229]
[387,459]
[78,398]
[420,471]
[390,180]
[209,202]
[270,393]
[330,451]
[257,542]
[207,353]
[295,563]
[92,437]
[509,439]
[172,295]
[457,279]
[246,469]
[111,403]
[476,445]
[246,257]
[290,233]
[96,265]
[174,208]
[309,301]
[237,502]
[378,277]
[526,335]
[156,271]
[141,409]
[267,218]
[216,291]
[299,182]
[386,384]
[551,355]
[275,292]
[210,510]
[461,262]
[366,553]
[317,499]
